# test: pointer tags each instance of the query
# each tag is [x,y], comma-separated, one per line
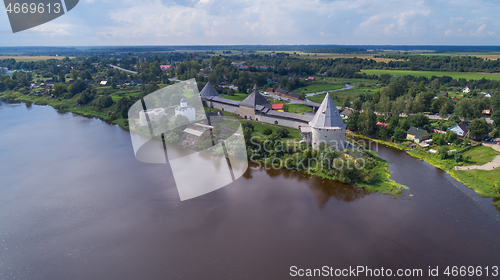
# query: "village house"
[165,67]
[279,107]
[460,130]
[467,90]
[288,94]
[417,135]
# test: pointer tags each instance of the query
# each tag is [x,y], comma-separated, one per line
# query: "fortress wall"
[283,122]
[330,136]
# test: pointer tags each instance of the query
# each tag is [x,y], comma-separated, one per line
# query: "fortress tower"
[327,125]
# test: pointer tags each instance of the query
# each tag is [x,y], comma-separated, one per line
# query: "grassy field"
[428,74]
[298,108]
[334,55]
[481,155]
[236,96]
[259,128]
[483,55]
[479,180]
[318,87]
[32,58]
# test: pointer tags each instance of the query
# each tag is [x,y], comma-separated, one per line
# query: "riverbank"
[481,181]
[68,105]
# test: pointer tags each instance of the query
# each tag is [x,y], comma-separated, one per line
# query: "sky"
[266,22]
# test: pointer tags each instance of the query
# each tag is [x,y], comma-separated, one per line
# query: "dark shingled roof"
[208,91]
[255,99]
[419,133]
[290,116]
[289,93]
[224,101]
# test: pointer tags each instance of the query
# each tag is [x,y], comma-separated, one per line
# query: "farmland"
[429,74]
[32,58]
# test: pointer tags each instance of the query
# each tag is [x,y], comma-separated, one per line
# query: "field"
[259,128]
[479,180]
[32,58]
[298,108]
[335,55]
[481,155]
[317,87]
[428,74]
[483,55]
[236,96]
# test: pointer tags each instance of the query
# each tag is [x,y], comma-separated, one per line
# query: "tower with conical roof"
[209,91]
[254,101]
[327,125]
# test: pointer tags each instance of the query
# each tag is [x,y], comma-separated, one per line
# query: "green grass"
[382,183]
[298,108]
[259,128]
[481,155]
[227,114]
[318,87]
[236,96]
[480,181]
[428,74]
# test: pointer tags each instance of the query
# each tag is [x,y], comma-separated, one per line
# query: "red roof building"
[277,107]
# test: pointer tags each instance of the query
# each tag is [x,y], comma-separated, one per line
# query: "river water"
[76,204]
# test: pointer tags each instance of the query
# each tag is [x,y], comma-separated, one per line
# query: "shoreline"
[451,172]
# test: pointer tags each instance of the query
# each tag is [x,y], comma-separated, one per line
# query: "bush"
[443,152]
[282,132]
[248,125]
[267,131]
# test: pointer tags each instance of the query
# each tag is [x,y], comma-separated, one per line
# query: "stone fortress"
[325,126]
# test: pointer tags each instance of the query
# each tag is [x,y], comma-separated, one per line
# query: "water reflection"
[321,189]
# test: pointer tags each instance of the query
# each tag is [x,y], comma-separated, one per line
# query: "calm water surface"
[76,204]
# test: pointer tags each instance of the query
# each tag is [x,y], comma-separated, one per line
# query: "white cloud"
[182,22]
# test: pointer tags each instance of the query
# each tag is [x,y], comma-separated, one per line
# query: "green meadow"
[429,74]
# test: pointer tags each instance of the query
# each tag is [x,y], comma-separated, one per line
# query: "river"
[76,204]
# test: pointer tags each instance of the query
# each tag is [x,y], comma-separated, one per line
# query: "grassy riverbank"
[67,105]
[481,181]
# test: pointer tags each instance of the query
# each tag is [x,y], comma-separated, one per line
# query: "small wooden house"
[417,135]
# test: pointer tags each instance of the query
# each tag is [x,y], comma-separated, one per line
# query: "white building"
[154,115]
[326,126]
[185,110]
[467,90]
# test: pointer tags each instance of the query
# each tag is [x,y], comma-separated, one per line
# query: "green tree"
[495,117]
[465,109]
[443,112]
[399,135]
[443,152]
[367,122]
[478,128]
[450,136]
[352,121]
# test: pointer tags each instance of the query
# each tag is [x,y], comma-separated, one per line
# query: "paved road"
[119,68]
[346,87]
[489,166]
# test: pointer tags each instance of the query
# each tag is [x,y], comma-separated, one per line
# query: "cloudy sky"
[227,22]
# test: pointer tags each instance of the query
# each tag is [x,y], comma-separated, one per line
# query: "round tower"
[327,126]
